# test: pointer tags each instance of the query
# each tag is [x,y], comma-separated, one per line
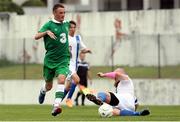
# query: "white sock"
[59,94]
[57,102]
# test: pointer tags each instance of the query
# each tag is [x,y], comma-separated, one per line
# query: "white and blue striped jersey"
[75,44]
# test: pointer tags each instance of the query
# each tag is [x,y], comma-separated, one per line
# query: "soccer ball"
[105,110]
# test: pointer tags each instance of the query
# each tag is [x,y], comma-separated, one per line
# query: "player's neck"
[71,34]
[55,20]
[82,60]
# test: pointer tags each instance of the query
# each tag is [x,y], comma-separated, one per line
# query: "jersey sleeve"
[81,43]
[45,27]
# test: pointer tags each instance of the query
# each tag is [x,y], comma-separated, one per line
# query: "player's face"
[72,29]
[59,14]
[82,56]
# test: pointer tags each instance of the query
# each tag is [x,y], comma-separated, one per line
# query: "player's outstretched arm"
[111,75]
[100,74]
[86,50]
[42,34]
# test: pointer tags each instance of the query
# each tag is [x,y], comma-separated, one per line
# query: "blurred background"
[141,36]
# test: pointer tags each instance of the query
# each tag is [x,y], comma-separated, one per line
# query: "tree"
[33,3]
[9,6]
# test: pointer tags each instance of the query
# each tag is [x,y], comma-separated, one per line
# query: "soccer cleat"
[86,90]
[69,103]
[56,111]
[93,98]
[144,112]
[41,97]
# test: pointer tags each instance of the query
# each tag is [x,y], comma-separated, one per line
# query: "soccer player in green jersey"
[57,57]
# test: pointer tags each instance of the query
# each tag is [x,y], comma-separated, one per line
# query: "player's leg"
[48,75]
[76,99]
[125,112]
[101,97]
[107,97]
[68,82]
[127,101]
[85,84]
[67,87]
[83,99]
[136,103]
[47,87]
[59,95]
[62,72]
[127,106]
[75,81]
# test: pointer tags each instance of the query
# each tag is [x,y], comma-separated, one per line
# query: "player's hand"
[100,74]
[51,34]
[86,50]
[89,51]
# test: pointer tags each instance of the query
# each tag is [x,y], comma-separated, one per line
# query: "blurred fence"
[130,50]
[148,91]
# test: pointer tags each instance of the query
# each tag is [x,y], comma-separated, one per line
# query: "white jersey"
[125,94]
[74,50]
[125,86]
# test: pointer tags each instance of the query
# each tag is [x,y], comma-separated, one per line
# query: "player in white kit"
[123,100]
[75,45]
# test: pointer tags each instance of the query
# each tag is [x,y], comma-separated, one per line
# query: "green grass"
[82,113]
[34,71]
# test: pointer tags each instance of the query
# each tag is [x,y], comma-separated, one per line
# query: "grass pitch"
[34,71]
[81,113]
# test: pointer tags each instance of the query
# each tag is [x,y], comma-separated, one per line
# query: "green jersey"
[57,51]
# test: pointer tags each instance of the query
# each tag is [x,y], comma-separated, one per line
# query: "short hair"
[121,70]
[72,22]
[56,6]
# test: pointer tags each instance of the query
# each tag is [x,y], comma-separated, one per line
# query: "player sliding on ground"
[123,100]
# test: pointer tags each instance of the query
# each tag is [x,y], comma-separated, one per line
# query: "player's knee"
[102,96]
[61,79]
[67,88]
[76,80]
[113,99]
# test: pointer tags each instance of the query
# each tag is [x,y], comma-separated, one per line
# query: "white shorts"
[126,101]
[72,70]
